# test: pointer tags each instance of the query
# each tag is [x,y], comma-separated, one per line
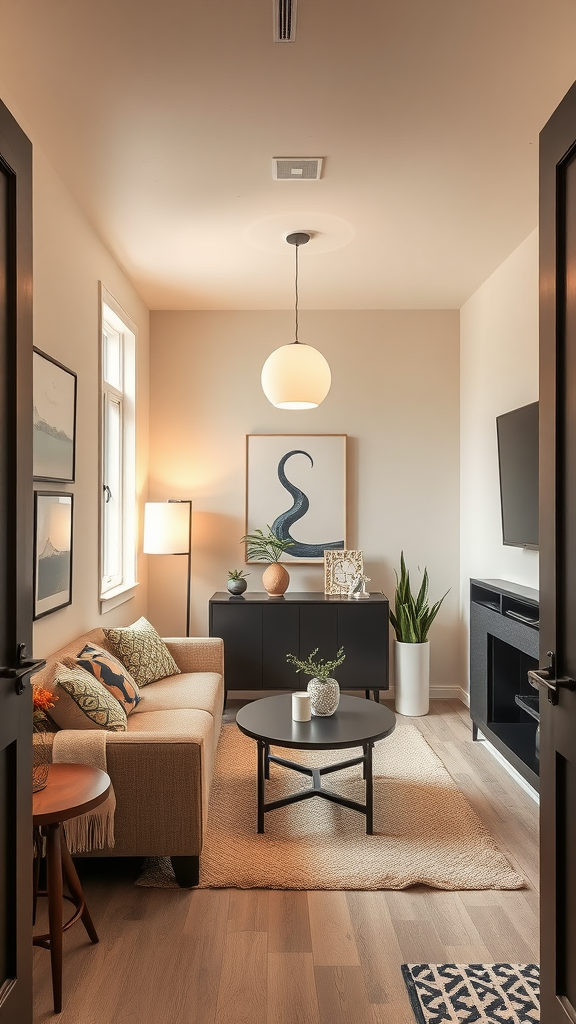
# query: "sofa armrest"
[197,653]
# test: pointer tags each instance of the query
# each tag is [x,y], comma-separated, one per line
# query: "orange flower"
[42,699]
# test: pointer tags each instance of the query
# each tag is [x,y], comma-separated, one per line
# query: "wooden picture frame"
[53,531]
[54,427]
[296,484]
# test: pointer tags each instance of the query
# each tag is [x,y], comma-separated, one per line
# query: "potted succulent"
[236,584]
[411,620]
[324,691]
[267,547]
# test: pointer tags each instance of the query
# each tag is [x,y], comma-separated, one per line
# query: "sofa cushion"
[108,671]
[202,691]
[82,702]
[142,650]
[191,691]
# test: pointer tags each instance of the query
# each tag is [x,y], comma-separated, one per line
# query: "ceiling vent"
[284,20]
[296,168]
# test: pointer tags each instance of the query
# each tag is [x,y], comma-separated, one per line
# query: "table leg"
[73,883]
[369,790]
[36,876]
[54,886]
[261,757]
[266,761]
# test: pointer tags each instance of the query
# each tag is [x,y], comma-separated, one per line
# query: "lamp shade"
[296,377]
[167,527]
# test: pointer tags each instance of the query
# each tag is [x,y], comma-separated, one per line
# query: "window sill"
[114,598]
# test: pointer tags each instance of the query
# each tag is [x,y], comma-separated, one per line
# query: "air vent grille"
[296,168]
[284,20]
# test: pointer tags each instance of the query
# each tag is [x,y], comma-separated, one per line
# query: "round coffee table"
[356,723]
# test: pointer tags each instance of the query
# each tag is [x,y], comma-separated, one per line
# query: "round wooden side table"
[72,789]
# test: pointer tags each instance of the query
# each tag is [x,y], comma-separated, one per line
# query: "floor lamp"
[168,531]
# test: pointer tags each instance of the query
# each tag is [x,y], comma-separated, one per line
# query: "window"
[118,445]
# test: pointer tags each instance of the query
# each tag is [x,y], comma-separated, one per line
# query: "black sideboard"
[259,631]
[504,642]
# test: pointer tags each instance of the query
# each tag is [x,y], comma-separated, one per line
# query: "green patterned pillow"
[142,650]
[83,703]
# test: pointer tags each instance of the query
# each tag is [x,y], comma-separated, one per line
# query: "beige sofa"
[161,768]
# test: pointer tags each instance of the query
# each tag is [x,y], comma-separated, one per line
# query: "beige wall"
[498,372]
[394,392]
[69,260]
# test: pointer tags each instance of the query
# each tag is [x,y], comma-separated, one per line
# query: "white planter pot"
[412,682]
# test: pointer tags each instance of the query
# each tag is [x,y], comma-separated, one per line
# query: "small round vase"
[236,587]
[324,696]
[275,579]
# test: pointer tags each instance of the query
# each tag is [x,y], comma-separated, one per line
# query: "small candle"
[301,707]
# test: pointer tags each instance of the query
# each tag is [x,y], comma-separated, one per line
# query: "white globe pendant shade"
[296,376]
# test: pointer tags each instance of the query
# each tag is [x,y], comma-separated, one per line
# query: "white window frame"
[117,588]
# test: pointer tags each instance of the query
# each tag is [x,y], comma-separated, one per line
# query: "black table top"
[356,721]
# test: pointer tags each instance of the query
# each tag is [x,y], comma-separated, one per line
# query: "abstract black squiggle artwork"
[300,505]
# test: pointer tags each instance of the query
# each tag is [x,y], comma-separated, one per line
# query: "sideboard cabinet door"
[240,625]
[363,633]
[280,627]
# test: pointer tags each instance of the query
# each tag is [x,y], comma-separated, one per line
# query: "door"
[15,571]
[558,562]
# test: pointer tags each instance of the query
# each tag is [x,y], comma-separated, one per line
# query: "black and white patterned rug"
[474,993]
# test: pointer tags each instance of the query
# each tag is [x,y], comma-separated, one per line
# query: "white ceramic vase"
[412,678]
[324,696]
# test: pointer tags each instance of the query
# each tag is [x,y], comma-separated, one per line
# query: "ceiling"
[162,119]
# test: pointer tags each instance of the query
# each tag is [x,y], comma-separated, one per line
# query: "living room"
[417,383]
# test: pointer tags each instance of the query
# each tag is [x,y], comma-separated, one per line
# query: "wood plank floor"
[262,957]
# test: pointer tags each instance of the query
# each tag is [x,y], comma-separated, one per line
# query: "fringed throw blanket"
[94,830]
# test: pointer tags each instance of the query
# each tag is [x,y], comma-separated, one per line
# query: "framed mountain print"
[54,431]
[52,551]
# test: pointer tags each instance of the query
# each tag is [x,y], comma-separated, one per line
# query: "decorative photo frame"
[54,429]
[340,568]
[53,519]
[296,484]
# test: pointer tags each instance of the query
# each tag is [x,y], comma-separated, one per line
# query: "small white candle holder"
[301,707]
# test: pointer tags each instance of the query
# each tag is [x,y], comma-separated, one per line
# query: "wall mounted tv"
[518,460]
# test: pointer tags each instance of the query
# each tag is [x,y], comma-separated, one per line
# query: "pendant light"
[296,376]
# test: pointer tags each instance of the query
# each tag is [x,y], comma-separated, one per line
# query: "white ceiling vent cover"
[284,14]
[296,168]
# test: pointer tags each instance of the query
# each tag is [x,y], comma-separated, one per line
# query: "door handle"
[547,678]
[25,666]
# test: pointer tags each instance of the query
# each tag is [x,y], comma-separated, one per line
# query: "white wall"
[498,372]
[395,393]
[69,261]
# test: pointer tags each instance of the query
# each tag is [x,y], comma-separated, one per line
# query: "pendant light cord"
[296,342]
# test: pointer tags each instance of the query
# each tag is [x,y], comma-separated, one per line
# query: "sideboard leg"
[474,731]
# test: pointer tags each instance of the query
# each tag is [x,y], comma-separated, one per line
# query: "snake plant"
[412,616]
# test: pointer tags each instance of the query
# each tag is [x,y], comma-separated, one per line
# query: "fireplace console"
[504,620]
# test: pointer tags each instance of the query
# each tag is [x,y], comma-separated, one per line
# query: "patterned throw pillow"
[142,650]
[108,671]
[83,703]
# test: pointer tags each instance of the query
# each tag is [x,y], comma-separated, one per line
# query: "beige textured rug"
[425,830]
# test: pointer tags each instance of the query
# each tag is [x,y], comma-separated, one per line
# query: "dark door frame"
[16,585]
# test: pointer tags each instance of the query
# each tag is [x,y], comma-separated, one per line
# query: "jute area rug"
[425,830]
[474,993]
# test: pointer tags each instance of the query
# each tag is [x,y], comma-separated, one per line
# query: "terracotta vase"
[275,579]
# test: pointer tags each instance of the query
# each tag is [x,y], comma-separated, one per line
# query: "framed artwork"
[54,433]
[340,567]
[296,484]
[52,551]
